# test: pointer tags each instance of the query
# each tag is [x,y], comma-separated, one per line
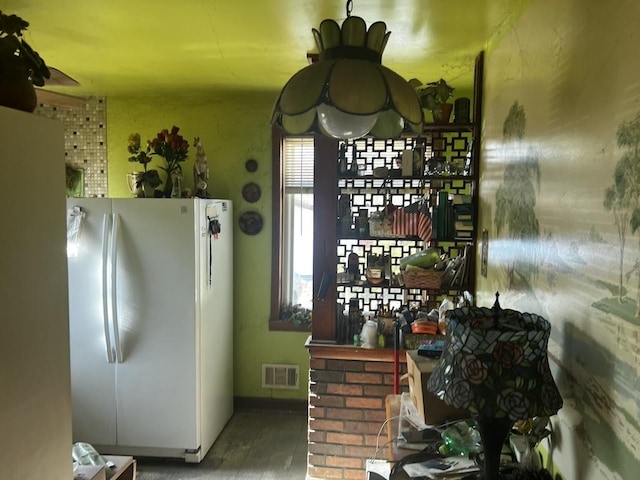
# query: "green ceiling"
[117,47]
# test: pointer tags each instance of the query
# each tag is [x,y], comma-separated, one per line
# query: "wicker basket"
[427,279]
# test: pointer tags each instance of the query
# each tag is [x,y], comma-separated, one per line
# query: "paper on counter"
[446,467]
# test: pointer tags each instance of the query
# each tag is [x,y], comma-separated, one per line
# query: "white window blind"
[297,241]
[298,174]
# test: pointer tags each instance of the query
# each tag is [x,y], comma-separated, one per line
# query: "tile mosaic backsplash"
[85,141]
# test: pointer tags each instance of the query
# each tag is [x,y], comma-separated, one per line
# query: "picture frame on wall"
[74,181]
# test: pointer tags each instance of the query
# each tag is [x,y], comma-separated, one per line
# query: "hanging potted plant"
[434,96]
[20,66]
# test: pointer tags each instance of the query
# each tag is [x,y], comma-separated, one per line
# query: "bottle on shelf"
[418,159]
[369,334]
[344,215]
[342,160]
[353,166]
[353,267]
[362,222]
[355,320]
[407,163]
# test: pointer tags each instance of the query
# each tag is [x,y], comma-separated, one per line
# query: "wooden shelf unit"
[449,157]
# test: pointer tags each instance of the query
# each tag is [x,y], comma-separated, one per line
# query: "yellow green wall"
[571,69]
[233,127]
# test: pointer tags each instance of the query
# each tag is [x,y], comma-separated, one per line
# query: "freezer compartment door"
[93,385]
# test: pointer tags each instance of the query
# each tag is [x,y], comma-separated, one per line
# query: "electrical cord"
[378,446]
[439,427]
[429,453]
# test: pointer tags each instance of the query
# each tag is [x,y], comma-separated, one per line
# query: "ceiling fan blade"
[59,99]
[60,79]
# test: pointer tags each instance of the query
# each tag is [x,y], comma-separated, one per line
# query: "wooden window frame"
[275,323]
[323,325]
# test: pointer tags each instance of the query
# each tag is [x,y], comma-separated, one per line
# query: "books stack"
[463,217]
[442,217]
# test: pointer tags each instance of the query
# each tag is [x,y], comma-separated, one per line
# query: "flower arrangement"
[169,145]
[142,156]
[13,48]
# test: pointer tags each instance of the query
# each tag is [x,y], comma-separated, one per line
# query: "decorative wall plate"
[251,192]
[250,223]
[251,165]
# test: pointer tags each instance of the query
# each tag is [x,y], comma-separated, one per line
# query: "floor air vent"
[280,376]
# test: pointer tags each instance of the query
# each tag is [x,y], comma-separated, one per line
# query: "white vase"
[134,182]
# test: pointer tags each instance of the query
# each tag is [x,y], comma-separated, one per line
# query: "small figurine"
[200,171]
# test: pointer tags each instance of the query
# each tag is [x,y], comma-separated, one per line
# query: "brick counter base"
[347,410]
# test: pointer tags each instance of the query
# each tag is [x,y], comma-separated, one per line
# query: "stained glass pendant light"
[348,93]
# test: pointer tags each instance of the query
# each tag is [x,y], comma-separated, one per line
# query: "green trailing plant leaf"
[295,314]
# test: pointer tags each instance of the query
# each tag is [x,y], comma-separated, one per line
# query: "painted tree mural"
[516,198]
[623,197]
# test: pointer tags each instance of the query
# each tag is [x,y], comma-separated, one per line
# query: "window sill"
[283,326]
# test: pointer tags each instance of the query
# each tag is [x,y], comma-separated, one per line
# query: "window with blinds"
[297,256]
[298,156]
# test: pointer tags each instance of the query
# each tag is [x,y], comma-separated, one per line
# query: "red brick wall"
[346,412]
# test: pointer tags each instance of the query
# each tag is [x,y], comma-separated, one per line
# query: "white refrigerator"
[151,324]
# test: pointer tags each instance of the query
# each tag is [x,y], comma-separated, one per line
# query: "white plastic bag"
[445,306]
[85,454]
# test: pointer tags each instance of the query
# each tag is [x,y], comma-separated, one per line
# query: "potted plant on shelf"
[20,66]
[434,96]
[297,315]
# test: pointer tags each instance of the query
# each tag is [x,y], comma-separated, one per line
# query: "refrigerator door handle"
[105,287]
[114,310]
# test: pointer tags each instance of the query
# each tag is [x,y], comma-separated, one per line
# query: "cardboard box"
[123,467]
[90,472]
[431,409]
